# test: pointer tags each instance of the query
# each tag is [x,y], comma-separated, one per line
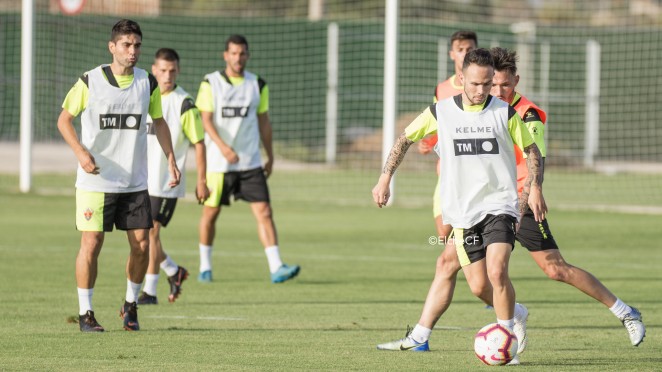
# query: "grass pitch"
[365,274]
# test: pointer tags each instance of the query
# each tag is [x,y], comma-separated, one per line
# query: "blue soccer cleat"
[205,277]
[285,273]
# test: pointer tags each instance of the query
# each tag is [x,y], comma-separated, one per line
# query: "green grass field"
[365,274]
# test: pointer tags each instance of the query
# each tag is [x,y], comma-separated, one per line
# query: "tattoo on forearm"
[397,153]
[534,164]
[524,196]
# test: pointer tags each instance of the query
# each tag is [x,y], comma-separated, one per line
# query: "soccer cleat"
[88,323]
[519,328]
[514,361]
[285,273]
[633,322]
[405,344]
[204,277]
[129,313]
[176,283]
[147,299]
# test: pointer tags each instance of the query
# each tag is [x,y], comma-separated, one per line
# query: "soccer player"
[185,124]
[535,236]
[461,43]
[477,134]
[234,104]
[111,185]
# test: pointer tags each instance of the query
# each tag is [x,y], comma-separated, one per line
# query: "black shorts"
[250,185]
[535,236]
[99,211]
[471,244]
[162,209]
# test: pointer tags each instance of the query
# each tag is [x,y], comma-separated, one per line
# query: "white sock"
[132,291]
[84,300]
[519,311]
[420,334]
[620,308]
[510,323]
[150,284]
[205,257]
[169,266]
[273,256]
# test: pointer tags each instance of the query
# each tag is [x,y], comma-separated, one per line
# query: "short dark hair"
[480,57]
[236,39]
[464,35]
[504,60]
[167,54]
[125,27]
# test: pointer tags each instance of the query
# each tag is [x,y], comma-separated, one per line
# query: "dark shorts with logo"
[101,211]
[162,209]
[535,236]
[471,244]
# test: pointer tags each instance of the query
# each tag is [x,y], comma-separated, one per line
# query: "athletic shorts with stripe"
[535,236]
[250,185]
[162,209]
[471,244]
[99,211]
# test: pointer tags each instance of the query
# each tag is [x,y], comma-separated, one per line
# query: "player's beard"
[475,99]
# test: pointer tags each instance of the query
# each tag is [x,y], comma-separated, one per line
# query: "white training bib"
[114,131]
[477,171]
[159,175]
[235,120]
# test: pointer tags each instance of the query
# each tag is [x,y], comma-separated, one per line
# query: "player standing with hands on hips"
[111,184]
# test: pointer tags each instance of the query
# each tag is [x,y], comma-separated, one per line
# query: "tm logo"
[234,112]
[119,121]
[476,146]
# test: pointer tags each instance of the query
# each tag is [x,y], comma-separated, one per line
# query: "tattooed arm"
[532,190]
[381,192]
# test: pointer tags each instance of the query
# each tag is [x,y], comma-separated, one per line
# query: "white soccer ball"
[495,345]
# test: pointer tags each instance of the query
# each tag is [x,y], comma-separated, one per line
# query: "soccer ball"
[495,345]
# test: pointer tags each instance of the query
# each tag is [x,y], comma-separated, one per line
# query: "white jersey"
[173,105]
[235,120]
[477,172]
[114,131]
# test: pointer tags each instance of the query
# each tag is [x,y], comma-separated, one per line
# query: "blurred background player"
[111,184]
[234,104]
[185,124]
[477,184]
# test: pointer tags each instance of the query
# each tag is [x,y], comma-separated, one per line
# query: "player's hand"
[201,191]
[86,161]
[382,191]
[175,174]
[424,148]
[229,154]
[537,203]
[268,167]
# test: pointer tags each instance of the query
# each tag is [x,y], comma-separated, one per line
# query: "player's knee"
[447,264]
[560,273]
[498,276]
[477,289]
[209,215]
[264,213]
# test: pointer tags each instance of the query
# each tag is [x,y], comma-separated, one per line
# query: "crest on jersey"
[88,214]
